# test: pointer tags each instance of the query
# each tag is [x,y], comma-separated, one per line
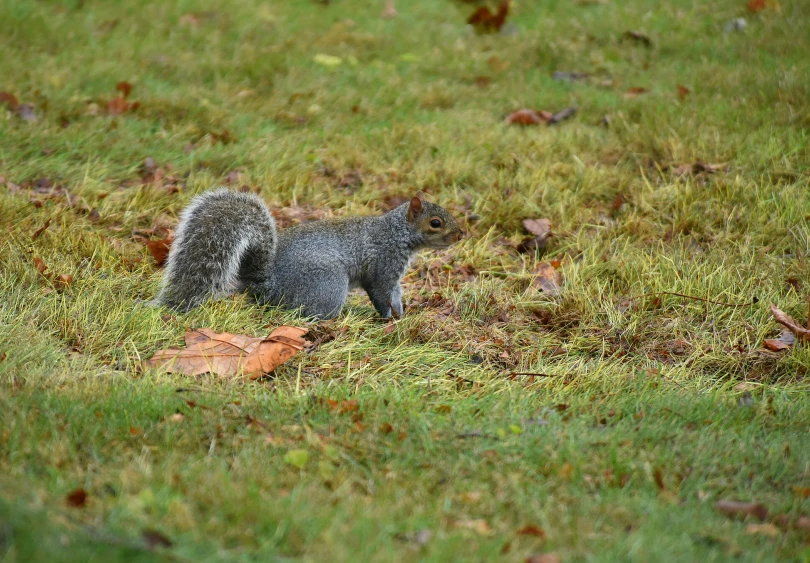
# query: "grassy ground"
[649,410]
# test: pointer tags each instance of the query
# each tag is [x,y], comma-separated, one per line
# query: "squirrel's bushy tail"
[225,241]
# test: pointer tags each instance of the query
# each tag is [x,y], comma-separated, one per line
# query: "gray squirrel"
[227,241]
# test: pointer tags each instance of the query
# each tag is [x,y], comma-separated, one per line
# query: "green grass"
[639,423]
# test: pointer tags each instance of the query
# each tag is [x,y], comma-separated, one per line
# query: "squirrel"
[227,241]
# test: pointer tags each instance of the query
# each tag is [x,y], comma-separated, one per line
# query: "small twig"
[534,374]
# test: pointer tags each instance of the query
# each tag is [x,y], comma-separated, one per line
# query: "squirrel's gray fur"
[227,241]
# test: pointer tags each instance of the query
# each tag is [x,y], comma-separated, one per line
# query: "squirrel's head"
[434,223]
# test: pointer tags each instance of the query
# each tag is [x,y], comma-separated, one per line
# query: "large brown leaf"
[230,354]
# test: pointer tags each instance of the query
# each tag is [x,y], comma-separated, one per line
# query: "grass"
[649,409]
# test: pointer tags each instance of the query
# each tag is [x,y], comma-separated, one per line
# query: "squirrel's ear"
[415,208]
[421,195]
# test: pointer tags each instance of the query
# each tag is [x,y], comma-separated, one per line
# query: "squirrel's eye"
[436,223]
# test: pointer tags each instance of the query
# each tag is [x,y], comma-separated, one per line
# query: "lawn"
[601,421]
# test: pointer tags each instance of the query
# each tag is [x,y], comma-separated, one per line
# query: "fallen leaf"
[389,328]
[532,530]
[153,539]
[803,492]
[77,498]
[479,525]
[562,115]
[483,81]
[159,249]
[802,334]
[635,91]
[541,228]
[63,280]
[658,476]
[735,509]
[40,230]
[784,342]
[683,91]
[10,100]
[544,558]
[755,6]
[527,117]
[40,265]
[344,407]
[327,60]
[803,523]
[117,106]
[484,21]
[297,458]
[124,87]
[546,279]
[228,354]
[638,37]
[766,529]
[538,227]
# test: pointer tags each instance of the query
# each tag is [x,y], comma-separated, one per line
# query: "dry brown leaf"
[635,91]
[159,249]
[541,228]
[755,6]
[40,265]
[802,334]
[544,558]
[10,100]
[803,523]
[527,117]
[124,87]
[735,509]
[784,342]
[117,105]
[63,280]
[77,498]
[40,230]
[485,21]
[766,529]
[230,354]
[546,279]
[531,530]
[538,227]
